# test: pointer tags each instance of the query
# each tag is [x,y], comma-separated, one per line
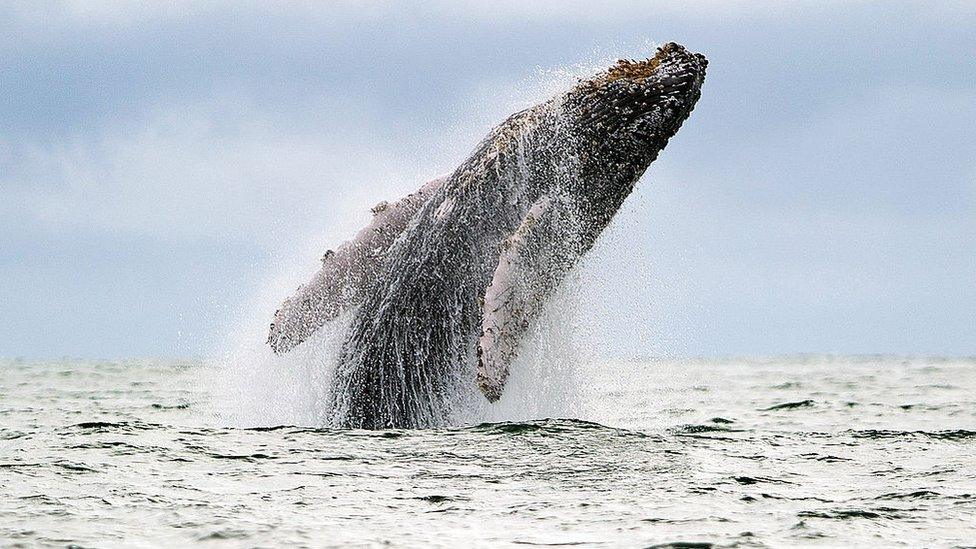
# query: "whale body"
[442,285]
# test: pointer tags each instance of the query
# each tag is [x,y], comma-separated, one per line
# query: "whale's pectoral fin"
[346,272]
[533,261]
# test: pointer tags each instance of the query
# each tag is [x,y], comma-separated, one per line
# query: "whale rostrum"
[442,285]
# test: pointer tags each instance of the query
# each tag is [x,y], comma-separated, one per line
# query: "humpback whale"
[442,285]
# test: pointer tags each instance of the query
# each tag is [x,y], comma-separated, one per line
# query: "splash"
[253,387]
[548,377]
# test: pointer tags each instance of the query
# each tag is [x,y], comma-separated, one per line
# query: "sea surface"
[797,451]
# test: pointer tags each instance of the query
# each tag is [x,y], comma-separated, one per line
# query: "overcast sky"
[167,170]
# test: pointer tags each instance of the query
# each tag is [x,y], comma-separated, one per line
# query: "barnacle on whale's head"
[641,101]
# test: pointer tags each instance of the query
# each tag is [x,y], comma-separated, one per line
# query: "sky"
[171,170]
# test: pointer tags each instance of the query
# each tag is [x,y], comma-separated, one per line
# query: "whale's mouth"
[647,100]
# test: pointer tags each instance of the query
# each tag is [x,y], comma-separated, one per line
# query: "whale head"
[625,115]
[641,102]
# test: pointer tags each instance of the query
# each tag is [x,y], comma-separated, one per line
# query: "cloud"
[221,169]
[103,13]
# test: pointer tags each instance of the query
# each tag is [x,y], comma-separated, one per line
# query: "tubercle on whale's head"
[634,107]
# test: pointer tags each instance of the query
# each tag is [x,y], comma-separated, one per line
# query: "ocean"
[758,452]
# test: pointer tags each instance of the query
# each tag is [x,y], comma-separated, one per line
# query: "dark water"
[749,453]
